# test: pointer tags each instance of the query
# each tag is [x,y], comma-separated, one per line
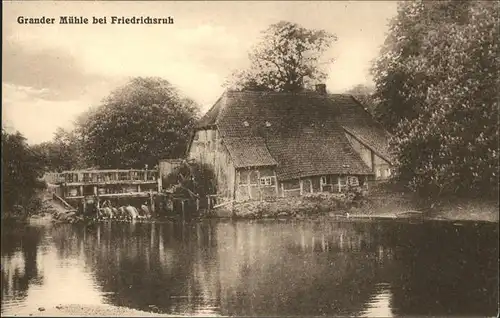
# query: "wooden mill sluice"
[84,189]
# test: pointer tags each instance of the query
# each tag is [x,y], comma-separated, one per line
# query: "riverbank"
[465,210]
[87,311]
[381,203]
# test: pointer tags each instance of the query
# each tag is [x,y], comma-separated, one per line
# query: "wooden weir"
[84,188]
[89,191]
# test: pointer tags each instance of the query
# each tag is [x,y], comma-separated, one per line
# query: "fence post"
[182,208]
[151,203]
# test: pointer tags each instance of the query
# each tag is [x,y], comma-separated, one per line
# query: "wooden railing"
[105,176]
[52,177]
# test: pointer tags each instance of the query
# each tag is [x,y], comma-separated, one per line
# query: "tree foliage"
[21,169]
[192,179]
[437,83]
[136,125]
[62,152]
[288,58]
[396,70]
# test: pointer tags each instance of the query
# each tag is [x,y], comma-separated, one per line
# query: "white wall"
[379,166]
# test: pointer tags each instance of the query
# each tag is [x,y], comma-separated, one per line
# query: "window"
[267,181]
[327,180]
[353,181]
[388,172]
[323,179]
[377,173]
[342,181]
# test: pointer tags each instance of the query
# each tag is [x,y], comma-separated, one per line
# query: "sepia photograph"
[250,158]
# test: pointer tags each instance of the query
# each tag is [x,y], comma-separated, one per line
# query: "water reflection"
[20,267]
[380,302]
[297,268]
[255,268]
[451,269]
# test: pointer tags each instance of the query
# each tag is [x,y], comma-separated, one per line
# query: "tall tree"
[449,143]
[394,71]
[62,152]
[137,124]
[21,168]
[288,58]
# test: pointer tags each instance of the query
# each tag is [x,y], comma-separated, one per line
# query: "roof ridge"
[303,93]
[212,115]
[366,143]
[212,107]
[369,114]
[223,106]
[353,152]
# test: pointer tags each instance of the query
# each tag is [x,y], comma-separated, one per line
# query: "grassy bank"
[382,201]
[298,207]
[465,210]
[388,198]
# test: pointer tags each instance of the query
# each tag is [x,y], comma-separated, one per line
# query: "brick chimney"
[321,89]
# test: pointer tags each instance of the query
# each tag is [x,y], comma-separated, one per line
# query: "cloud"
[25,109]
[55,72]
[196,58]
[22,93]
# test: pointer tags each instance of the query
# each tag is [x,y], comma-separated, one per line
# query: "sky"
[53,72]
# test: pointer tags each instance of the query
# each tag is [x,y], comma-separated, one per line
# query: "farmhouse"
[267,144]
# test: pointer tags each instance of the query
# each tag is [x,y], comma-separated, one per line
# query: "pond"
[258,268]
